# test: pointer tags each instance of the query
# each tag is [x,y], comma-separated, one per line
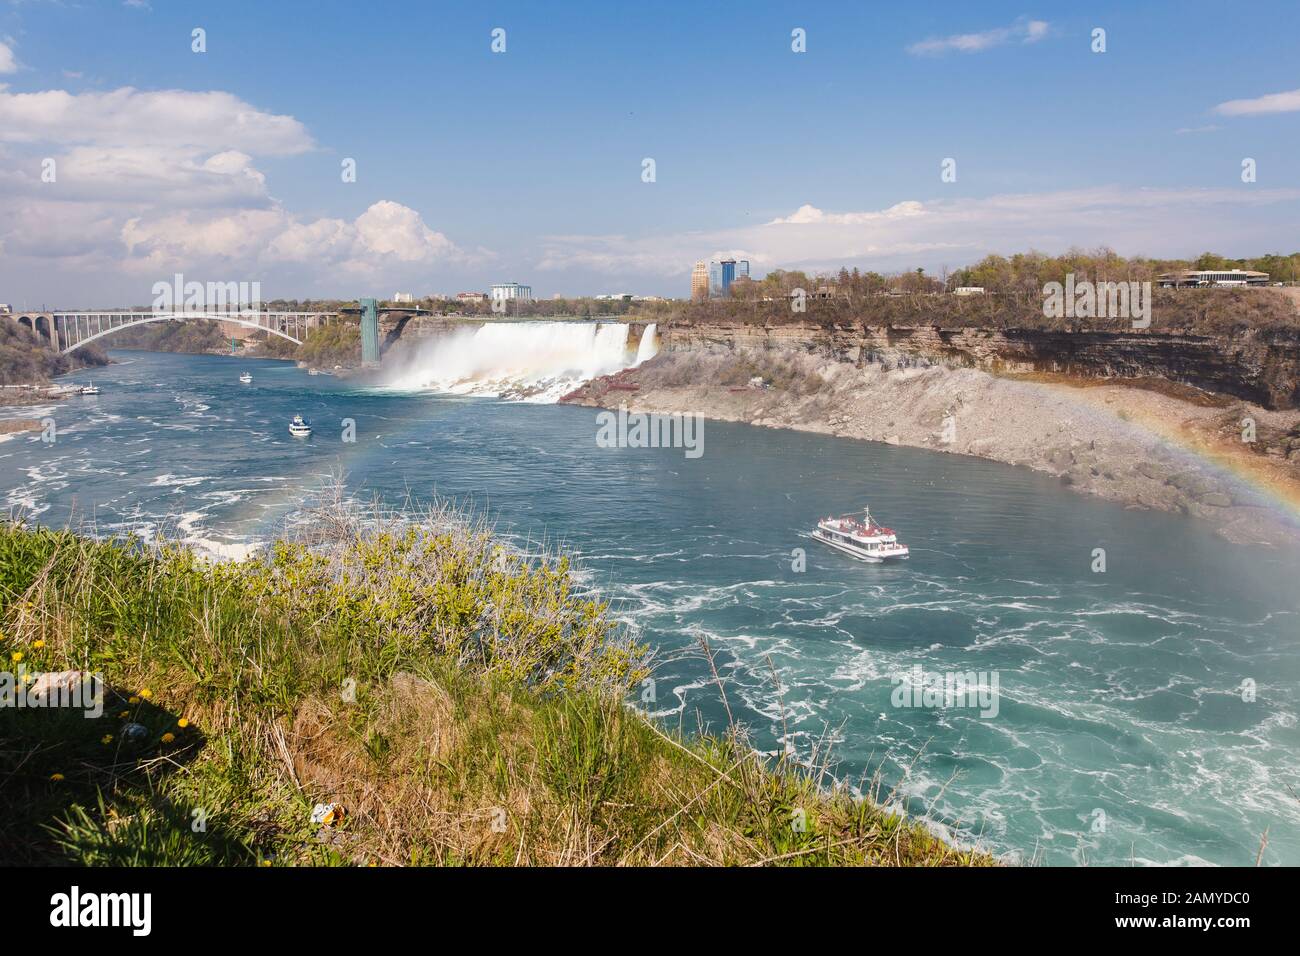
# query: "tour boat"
[88,390]
[858,535]
[246,378]
[299,427]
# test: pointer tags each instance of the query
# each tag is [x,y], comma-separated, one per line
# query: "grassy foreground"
[461,703]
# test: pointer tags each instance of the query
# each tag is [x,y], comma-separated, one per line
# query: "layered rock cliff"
[1258,365]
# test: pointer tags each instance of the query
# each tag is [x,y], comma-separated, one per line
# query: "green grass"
[463,703]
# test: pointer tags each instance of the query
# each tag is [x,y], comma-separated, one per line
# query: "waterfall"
[526,361]
[649,347]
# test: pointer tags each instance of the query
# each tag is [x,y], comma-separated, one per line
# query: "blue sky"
[475,167]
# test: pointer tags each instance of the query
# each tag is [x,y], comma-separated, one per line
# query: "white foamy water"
[648,347]
[526,361]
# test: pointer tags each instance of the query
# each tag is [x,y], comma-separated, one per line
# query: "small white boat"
[88,390]
[313,371]
[246,378]
[858,535]
[299,427]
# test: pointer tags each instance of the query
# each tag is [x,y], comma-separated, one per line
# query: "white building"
[1209,277]
[401,298]
[512,290]
[968,290]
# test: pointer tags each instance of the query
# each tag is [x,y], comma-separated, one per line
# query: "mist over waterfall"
[525,361]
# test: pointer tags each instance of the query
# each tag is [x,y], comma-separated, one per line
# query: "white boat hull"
[857,553]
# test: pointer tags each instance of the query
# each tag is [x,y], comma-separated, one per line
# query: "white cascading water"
[524,361]
[648,348]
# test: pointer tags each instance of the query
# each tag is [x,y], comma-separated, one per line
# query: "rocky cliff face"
[1258,365]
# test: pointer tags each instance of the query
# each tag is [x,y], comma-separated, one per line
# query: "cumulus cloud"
[391,229]
[147,183]
[151,182]
[143,176]
[387,234]
[172,119]
[947,232]
[1023,30]
[1288,102]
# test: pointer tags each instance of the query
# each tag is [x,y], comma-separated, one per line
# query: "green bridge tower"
[369,332]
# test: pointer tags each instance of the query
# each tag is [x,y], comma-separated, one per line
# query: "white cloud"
[144,176]
[1288,102]
[949,232]
[1024,30]
[167,119]
[391,229]
[149,183]
[387,236]
[806,214]
[8,62]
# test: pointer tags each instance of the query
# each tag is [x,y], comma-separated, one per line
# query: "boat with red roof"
[858,534]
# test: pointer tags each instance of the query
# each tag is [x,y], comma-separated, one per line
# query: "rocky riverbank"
[13,426]
[1144,443]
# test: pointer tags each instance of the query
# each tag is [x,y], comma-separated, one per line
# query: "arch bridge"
[69,331]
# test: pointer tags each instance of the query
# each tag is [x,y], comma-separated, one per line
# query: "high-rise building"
[715,280]
[728,275]
[742,269]
[700,281]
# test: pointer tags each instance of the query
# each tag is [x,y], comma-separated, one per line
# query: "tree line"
[1024,273]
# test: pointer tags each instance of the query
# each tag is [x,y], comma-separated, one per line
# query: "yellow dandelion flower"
[38,644]
[16,656]
[183,722]
[146,693]
[133,700]
[168,738]
[56,777]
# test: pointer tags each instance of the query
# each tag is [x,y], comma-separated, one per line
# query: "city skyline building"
[728,275]
[700,280]
[512,291]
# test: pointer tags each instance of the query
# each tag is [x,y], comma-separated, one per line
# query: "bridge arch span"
[147,317]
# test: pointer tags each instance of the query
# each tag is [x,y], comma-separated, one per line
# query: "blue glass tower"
[728,275]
